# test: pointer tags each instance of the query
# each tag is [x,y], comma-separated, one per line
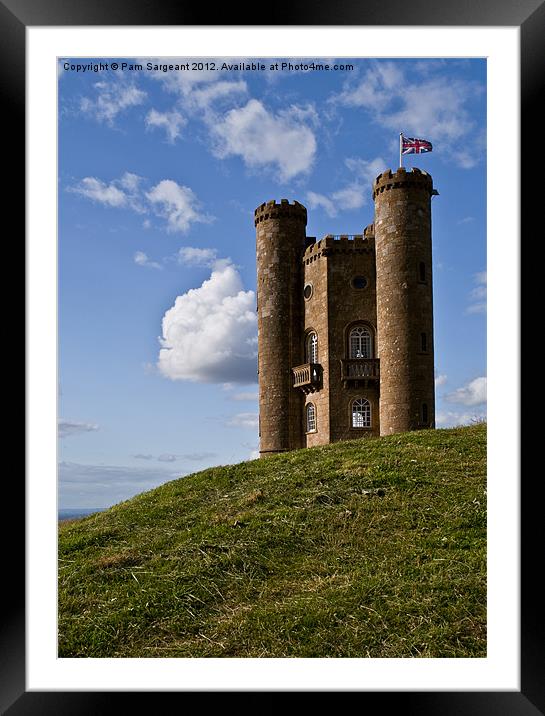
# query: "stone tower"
[280,239]
[404,300]
[345,324]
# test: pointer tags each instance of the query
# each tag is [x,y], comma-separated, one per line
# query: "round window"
[307,291]
[359,282]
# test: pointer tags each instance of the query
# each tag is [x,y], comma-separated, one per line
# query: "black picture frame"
[529,16]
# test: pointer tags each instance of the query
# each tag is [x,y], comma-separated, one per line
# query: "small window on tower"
[423,342]
[422,272]
[425,413]
[307,291]
[359,282]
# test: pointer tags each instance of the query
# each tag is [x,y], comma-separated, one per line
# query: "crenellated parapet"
[414,178]
[273,210]
[339,244]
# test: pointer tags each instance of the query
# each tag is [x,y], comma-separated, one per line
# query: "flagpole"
[400,148]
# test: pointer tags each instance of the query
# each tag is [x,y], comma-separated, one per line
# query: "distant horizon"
[86,509]
[159,176]
[83,509]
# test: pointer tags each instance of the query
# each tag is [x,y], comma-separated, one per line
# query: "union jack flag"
[410,145]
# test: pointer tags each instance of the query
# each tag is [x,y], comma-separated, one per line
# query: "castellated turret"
[345,324]
[281,236]
[404,300]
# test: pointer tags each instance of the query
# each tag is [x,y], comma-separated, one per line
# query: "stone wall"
[347,307]
[316,319]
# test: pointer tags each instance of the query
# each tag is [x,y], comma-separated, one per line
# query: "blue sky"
[159,175]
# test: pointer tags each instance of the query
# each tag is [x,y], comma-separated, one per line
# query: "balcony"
[308,377]
[360,371]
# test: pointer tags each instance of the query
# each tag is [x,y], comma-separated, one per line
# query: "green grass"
[367,548]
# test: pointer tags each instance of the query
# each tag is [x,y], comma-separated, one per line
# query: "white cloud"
[474,393]
[209,335]
[431,108]
[366,170]
[109,474]
[119,193]
[479,307]
[177,204]
[479,292]
[315,200]
[97,485]
[167,457]
[244,420]
[172,457]
[240,397]
[142,259]
[440,380]
[70,427]
[478,295]
[197,88]
[374,91]
[198,456]
[204,97]
[198,93]
[262,139]
[97,190]
[171,122]
[282,141]
[130,183]
[111,99]
[171,201]
[353,195]
[350,197]
[450,419]
[304,113]
[181,82]
[428,66]
[191,256]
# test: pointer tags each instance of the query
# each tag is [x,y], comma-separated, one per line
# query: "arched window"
[360,343]
[361,413]
[312,348]
[311,418]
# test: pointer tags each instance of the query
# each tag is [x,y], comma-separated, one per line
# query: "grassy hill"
[368,548]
